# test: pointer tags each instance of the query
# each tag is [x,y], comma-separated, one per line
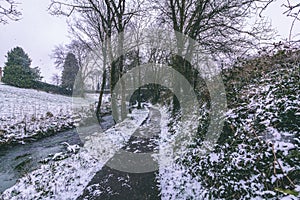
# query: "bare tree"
[100,20]
[56,79]
[94,28]
[87,62]
[292,10]
[9,11]
[59,55]
[219,27]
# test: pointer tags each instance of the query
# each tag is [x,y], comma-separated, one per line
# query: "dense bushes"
[257,155]
[18,76]
[51,88]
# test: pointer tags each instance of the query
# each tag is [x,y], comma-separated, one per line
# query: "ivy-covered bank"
[257,155]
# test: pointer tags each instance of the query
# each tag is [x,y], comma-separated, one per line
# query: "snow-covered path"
[135,176]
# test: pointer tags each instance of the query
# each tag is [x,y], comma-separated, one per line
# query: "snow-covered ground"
[67,178]
[174,179]
[28,113]
[258,157]
[25,113]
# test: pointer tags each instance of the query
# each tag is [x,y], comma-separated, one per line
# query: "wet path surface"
[131,173]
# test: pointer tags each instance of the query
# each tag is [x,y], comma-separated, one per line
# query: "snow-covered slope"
[27,113]
[257,156]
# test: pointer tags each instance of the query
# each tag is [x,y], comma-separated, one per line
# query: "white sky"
[280,21]
[38,33]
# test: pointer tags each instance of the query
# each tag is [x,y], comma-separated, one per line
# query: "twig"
[276,161]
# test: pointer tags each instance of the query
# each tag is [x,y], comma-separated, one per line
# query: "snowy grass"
[174,179]
[26,113]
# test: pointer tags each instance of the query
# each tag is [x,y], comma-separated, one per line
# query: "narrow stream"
[18,160]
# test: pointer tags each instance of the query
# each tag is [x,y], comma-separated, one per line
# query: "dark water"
[18,160]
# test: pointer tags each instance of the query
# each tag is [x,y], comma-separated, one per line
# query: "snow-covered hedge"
[257,155]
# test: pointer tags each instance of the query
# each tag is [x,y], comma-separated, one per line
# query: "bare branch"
[9,11]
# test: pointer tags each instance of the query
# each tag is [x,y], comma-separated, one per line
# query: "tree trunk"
[113,81]
[98,111]
[139,90]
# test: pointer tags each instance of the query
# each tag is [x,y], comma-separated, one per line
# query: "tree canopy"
[70,70]
[17,56]
[17,71]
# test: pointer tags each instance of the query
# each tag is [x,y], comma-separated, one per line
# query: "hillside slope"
[257,155]
[28,113]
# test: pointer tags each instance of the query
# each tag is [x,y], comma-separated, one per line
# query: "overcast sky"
[38,33]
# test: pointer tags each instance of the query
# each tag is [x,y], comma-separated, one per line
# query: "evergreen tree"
[70,70]
[17,56]
[17,71]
